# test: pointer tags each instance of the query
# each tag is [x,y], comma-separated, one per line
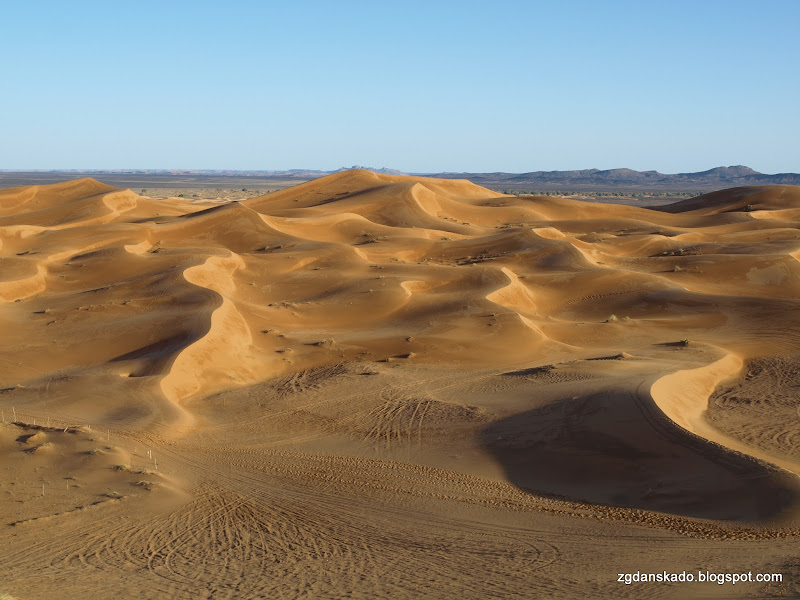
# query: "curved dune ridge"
[424,337]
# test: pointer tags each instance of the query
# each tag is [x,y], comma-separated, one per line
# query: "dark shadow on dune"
[611,448]
[608,357]
[155,358]
[530,372]
[214,209]
[160,349]
[348,195]
[738,199]
[158,220]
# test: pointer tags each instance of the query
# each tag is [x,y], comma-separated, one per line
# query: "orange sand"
[374,386]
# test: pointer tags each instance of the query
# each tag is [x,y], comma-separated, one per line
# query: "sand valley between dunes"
[374,386]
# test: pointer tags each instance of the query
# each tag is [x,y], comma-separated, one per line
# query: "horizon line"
[327,171]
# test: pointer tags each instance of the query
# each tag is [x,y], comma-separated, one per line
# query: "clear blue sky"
[417,86]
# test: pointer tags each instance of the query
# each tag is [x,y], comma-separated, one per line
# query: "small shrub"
[148,485]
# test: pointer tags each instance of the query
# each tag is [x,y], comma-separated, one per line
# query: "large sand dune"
[382,386]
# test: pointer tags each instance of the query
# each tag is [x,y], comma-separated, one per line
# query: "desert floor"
[373,386]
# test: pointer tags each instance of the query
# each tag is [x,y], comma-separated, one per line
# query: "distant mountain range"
[578,181]
[626,179]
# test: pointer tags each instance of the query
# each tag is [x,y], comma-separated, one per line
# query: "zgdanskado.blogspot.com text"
[700,576]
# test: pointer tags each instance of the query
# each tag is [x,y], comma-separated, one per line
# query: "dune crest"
[222,355]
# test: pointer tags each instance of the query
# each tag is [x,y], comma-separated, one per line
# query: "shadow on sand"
[612,448]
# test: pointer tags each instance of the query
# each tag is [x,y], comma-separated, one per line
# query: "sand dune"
[361,385]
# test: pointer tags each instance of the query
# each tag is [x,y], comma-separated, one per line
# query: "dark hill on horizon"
[626,180]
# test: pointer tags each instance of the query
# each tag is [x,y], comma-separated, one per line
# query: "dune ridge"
[684,396]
